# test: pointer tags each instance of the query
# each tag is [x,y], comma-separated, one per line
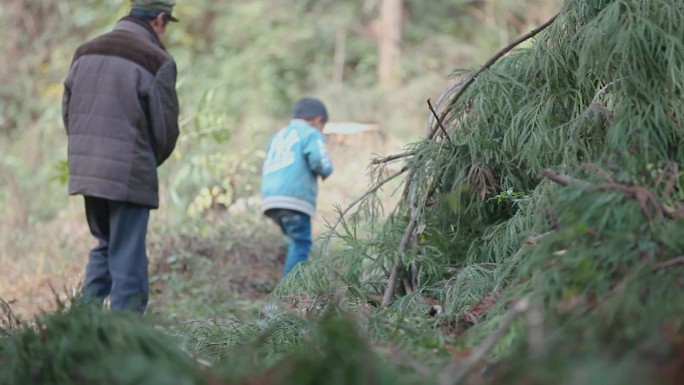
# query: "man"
[120,112]
[296,157]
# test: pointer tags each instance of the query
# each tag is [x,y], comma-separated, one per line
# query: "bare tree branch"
[672,262]
[439,121]
[403,246]
[391,158]
[488,65]
[561,179]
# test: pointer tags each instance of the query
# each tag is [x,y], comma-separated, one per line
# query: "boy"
[296,157]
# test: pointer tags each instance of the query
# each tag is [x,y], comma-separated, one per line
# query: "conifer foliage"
[555,178]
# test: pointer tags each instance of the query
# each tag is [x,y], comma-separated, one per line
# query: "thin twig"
[673,167]
[391,288]
[533,240]
[456,372]
[391,158]
[488,65]
[368,193]
[415,266]
[603,89]
[439,102]
[439,121]
[672,262]
[561,179]
[643,195]
[598,170]
[409,234]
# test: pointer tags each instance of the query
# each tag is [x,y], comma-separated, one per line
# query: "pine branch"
[643,195]
[456,372]
[391,286]
[486,66]
[537,238]
[408,233]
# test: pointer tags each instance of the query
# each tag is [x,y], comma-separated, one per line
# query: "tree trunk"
[389,40]
[340,56]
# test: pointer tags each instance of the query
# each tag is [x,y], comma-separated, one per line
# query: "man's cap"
[165,6]
[309,108]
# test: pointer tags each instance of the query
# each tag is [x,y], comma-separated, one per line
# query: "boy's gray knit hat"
[309,108]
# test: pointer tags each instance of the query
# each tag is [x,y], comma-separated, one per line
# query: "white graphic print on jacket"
[281,154]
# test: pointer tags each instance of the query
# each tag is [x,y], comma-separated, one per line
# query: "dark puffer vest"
[120,111]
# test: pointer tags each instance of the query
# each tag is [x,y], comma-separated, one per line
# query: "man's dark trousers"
[118,264]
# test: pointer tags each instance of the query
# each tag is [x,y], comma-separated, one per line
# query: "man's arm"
[65,107]
[66,99]
[163,109]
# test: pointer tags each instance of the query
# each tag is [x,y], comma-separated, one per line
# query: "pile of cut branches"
[552,177]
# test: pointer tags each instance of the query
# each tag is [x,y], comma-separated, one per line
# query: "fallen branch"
[410,195]
[392,158]
[643,195]
[598,170]
[488,65]
[439,121]
[439,102]
[674,174]
[667,264]
[456,372]
[533,240]
[394,275]
[561,179]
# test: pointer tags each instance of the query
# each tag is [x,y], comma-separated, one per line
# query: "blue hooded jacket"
[296,157]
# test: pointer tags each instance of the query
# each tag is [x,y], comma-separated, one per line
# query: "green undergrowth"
[80,344]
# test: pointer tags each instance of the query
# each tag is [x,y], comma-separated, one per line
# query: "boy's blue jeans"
[297,227]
